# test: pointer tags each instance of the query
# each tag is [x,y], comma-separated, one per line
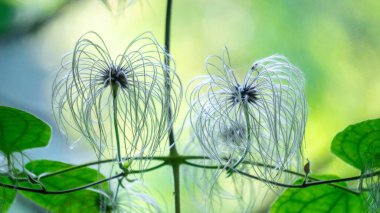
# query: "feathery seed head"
[260,119]
[126,98]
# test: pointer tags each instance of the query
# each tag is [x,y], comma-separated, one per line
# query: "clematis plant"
[244,127]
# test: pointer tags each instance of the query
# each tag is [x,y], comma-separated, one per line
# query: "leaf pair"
[20,131]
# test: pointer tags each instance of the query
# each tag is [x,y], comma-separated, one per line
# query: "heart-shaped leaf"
[20,130]
[359,144]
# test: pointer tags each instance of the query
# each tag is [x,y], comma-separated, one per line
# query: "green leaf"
[20,130]
[321,198]
[78,201]
[359,144]
[6,195]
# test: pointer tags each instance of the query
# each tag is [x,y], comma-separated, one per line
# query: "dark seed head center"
[115,76]
[244,94]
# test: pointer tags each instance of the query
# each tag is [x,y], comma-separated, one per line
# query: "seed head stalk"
[115,89]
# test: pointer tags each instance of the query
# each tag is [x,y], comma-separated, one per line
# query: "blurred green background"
[335,43]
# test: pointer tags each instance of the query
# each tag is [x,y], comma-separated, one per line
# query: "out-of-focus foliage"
[19,17]
[6,15]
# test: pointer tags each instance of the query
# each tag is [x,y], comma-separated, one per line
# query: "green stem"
[317,181]
[306,185]
[173,150]
[44,191]
[114,95]
[166,159]
[177,195]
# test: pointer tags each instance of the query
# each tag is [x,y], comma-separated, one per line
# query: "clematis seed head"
[117,104]
[258,119]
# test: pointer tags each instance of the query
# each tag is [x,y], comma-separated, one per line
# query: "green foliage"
[320,198]
[20,130]
[6,195]
[359,144]
[6,16]
[78,201]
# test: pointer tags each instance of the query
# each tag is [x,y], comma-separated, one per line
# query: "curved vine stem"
[44,191]
[304,185]
[156,158]
[184,160]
